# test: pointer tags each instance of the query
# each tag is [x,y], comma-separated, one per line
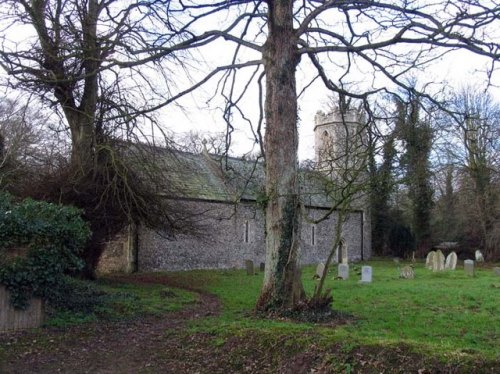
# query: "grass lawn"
[446,314]
[437,322]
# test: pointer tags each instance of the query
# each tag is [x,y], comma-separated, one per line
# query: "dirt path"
[163,345]
[145,345]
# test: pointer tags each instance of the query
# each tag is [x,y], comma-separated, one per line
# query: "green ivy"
[53,236]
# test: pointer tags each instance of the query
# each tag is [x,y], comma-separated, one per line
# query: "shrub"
[51,238]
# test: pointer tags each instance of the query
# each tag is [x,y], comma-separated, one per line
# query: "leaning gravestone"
[496,271]
[249,267]
[343,271]
[407,272]
[438,261]
[479,256]
[429,259]
[469,267]
[451,261]
[366,274]
[320,269]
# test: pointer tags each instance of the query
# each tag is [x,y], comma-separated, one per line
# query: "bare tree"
[28,147]
[342,167]
[68,60]
[474,147]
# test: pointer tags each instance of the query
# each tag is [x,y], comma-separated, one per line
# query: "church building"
[226,195]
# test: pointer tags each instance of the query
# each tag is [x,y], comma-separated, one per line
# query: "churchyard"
[446,321]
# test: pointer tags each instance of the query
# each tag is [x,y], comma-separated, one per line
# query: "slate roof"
[226,179]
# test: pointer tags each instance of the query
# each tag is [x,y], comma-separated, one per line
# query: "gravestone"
[366,274]
[469,267]
[343,252]
[320,269]
[343,271]
[479,256]
[451,261]
[438,261]
[249,267]
[496,271]
[429,259]
[407,272]
[262,266]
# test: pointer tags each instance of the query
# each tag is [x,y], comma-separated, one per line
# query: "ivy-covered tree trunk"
[282,287]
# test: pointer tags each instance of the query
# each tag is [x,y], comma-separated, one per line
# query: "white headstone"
[366,274]
[343,271]
[438,261]
[407,272]
[320,269]
[451,261]
[429,259]
[469,267]
[479,256]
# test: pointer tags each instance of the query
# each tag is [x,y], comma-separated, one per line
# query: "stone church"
[225,194]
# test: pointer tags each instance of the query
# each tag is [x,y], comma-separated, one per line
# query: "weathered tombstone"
[249,267]
[479,256]
[451,261]
[343,249]
[407,272]
[366,274]
[320,269]
[438,261]
[262,266]
[496,271]
[429,259]
[469,267]
[343,271]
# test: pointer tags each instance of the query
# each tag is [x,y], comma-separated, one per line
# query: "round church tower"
[336,133]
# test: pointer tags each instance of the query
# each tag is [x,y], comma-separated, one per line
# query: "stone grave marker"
[366,274]
[479,256]
[407,272]
[438,261]
[496,271]
[343,252]
[429,259]
[249,267]
[469,267]
[262,266]
[343,271]
[320,269]
[451,261]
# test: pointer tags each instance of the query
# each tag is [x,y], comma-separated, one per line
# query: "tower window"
[313,235]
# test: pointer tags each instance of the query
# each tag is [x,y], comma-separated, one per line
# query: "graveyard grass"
[444,314]
[447,316]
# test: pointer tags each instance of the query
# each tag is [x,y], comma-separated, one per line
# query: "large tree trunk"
[282,287]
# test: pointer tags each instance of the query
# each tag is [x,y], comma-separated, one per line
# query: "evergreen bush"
[51,238]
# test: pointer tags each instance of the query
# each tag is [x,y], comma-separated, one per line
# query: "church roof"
[209,177]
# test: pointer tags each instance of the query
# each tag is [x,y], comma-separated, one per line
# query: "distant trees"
[417,136]
[27,146]
[423,195]
[472,128]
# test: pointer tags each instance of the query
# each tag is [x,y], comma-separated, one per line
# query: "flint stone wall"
[223,242]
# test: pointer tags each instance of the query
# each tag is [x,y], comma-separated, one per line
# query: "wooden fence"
[14,319]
